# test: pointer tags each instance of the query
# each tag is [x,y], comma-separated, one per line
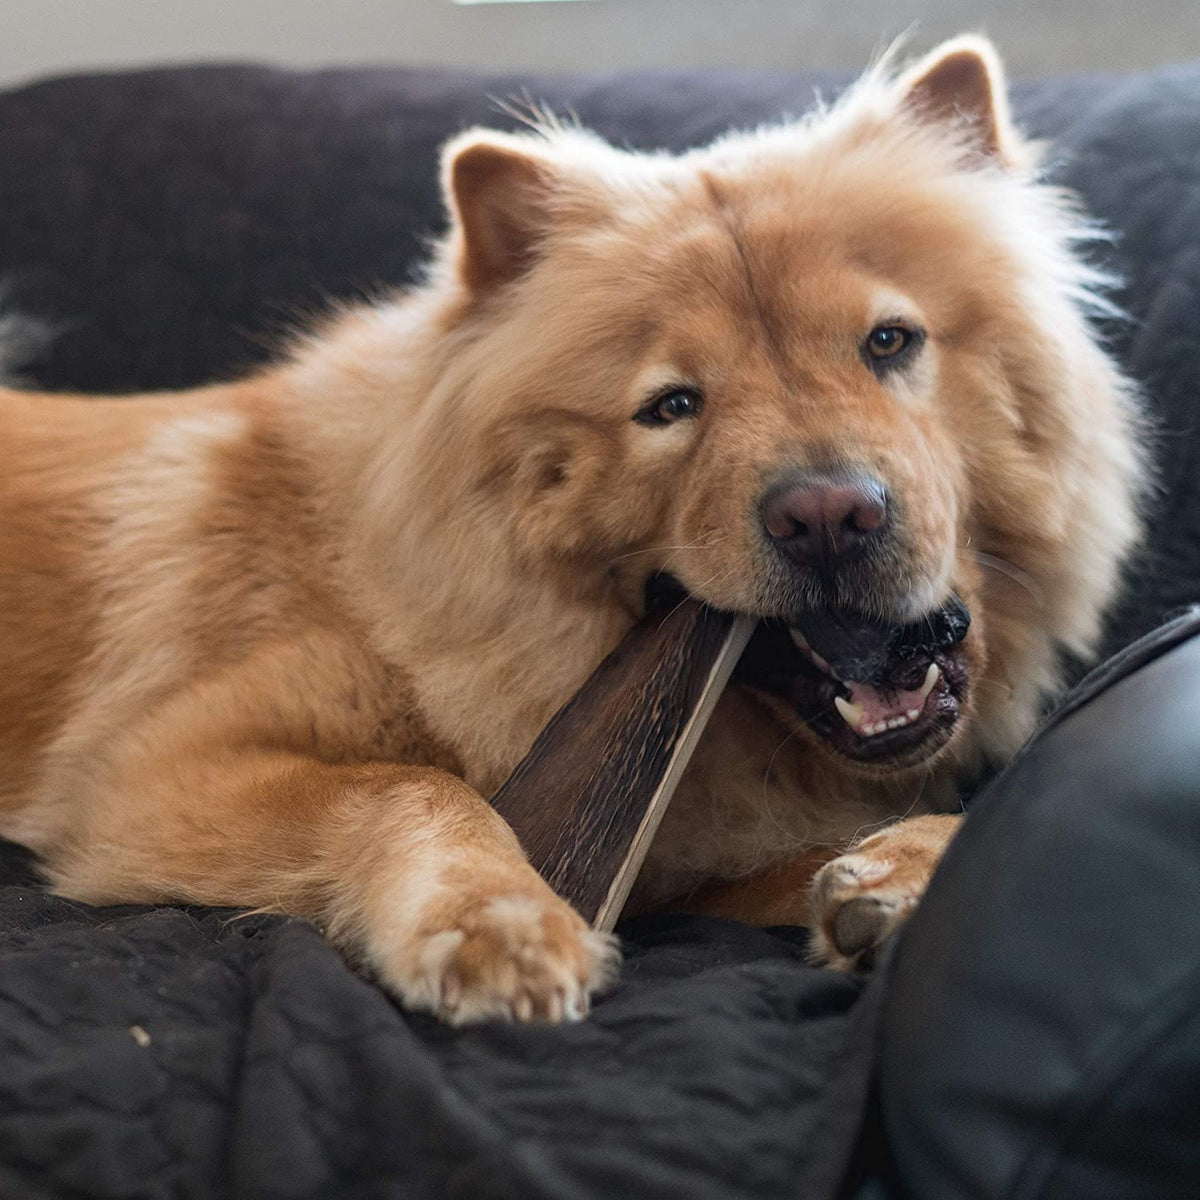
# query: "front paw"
[519,956]
[859,900]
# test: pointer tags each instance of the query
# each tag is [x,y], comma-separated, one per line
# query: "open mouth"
[888,695]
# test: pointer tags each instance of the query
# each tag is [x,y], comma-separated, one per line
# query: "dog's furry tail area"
[24,339]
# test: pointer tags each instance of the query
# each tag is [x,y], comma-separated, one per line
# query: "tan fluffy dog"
[271,643]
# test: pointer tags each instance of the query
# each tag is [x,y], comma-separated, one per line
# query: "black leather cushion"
[1041,1034]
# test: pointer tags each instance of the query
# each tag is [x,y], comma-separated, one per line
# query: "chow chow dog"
[272,643]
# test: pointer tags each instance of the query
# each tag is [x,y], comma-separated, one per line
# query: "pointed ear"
[962,82]
[498,189]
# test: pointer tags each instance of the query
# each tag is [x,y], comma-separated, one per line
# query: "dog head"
[836,374]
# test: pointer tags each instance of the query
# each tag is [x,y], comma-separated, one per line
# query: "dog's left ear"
[498,188]
[962,82]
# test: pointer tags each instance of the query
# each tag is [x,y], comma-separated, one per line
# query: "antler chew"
[588,797]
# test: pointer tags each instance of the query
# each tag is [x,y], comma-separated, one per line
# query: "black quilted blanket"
[188,1053]
[167,225]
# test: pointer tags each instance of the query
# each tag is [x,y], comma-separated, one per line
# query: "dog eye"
[886,344]
[670,406]
[886,341]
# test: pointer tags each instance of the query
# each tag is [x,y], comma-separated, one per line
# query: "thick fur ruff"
[270,643]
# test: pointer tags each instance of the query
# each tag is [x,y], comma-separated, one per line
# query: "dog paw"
[510,957]
[859,900]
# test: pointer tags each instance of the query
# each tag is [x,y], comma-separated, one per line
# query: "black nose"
[818,519]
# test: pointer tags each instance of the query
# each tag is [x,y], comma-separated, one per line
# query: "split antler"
[587,798]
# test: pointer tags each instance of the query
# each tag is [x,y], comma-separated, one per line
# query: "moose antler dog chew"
[588,797]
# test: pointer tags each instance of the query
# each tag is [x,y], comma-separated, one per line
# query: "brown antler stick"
[587,798]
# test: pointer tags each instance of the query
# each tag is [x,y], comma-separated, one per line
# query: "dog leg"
[774,897]
[862,897]
[852,901]
[231,793]
[407,866]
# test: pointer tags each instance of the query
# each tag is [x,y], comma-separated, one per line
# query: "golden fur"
[270,643]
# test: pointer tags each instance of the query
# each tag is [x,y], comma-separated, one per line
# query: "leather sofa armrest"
[1041,1033]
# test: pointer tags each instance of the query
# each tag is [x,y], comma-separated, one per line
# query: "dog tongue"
[871,711]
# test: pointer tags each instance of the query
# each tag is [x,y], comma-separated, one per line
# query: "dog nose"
[821,518]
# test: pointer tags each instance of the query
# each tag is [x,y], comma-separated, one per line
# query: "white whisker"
[1011,571]
[699,544]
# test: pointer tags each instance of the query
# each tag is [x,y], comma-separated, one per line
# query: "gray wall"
[39,37]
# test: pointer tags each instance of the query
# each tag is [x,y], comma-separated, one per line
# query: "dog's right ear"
[498,189]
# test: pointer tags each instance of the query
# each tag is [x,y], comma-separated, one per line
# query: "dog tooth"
[819,660]
[851,713]
[931,677]
[913,714]
[799,638]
